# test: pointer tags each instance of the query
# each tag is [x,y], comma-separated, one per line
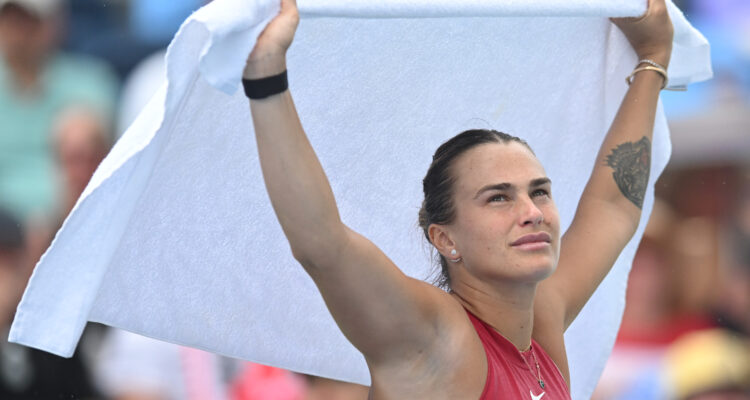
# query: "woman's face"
[507,226]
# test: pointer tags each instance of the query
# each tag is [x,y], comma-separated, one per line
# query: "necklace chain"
[538,370]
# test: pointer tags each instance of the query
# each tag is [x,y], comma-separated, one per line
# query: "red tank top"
[512,374]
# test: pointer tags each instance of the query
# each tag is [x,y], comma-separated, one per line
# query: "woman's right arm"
[385,314]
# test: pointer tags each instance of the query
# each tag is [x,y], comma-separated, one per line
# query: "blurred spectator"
[672,282]
[36,82]
[662,304]
[125,31]
[81,140]
[651,295]
[134,367]
[711,364]
[697,267]
[708,365]
[27,373]
[733,303]
[11,260]
[261,382]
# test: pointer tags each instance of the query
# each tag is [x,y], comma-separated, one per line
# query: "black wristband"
[264,87]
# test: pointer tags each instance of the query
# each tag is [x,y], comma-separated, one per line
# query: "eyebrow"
[540,182]
[506,186]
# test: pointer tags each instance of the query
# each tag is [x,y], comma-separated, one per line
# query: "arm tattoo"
[631,163]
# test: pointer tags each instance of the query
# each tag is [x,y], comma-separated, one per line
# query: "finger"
[658,7]
[287,5]
[646,13]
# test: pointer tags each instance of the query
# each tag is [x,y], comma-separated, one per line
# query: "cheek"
[482,234]
[551,215]
[552,218]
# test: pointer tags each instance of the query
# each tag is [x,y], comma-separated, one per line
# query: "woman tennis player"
[511,284]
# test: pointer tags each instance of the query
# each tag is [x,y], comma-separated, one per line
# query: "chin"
[539,271]
[541,274]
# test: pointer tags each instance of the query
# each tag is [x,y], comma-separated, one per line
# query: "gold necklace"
[538,370]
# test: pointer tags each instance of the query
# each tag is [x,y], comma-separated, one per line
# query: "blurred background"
[74,74]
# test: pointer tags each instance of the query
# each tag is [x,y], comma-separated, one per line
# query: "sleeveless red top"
[512,374]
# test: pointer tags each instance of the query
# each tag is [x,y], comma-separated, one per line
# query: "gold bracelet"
[651,62]
[661,72]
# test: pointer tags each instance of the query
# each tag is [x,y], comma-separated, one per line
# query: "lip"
[533,239]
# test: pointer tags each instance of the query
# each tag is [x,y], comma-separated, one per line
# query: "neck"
[507,307]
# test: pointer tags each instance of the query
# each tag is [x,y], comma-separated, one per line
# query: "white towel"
[174,237]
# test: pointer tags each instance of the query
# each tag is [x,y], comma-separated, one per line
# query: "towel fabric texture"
[174,238]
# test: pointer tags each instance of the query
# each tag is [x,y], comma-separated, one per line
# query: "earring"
[453,253]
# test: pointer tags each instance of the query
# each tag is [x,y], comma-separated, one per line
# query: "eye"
[540,192]
[498,198]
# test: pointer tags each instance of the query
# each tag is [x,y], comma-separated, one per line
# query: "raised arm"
[384,313]
[610,208]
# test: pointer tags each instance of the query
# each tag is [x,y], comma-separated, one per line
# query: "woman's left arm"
[610,207]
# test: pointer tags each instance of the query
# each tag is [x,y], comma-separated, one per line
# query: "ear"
[441,238]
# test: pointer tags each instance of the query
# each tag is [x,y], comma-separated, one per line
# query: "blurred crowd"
[74,74]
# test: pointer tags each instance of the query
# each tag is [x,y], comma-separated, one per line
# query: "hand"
[650,35]
[269,55]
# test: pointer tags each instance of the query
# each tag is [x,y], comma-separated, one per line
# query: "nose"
[530,214]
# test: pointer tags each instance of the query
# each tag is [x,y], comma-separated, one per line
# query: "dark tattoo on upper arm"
[631,163]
